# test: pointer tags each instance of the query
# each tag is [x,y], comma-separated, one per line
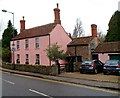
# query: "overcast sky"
[40,12]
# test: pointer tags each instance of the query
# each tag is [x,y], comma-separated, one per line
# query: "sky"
[40,12]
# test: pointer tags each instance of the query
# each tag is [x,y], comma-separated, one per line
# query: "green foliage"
[8,34]
[6,54]
[54,53]
[113,33]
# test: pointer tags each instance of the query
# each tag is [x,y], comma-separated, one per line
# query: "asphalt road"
[20,85]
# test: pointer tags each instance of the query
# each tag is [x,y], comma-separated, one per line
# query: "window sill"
[27,49]
[18,50]
[37,48]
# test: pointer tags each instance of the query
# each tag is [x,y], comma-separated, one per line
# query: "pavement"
[102,81]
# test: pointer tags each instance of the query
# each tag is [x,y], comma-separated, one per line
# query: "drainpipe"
[75,54]
[49,48]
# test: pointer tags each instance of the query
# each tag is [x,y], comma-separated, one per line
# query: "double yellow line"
[66,83]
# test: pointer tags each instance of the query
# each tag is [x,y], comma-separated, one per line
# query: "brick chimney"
[94,30]
[57,15]
[22,25]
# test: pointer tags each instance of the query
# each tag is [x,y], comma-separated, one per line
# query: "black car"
[93,66]
[111,66]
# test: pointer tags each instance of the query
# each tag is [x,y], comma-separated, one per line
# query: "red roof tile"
[36,31]
[81,41]
[108,47]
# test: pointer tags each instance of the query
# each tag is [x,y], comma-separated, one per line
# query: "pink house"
[30,44]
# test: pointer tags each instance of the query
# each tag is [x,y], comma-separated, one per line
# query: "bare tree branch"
[78,30]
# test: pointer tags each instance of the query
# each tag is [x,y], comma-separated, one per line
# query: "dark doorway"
[95,57]
[70,66]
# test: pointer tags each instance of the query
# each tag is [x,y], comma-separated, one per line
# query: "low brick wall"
[47,70]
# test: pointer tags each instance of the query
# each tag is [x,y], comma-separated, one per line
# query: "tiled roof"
[36,31]
[108,47]
[81,41]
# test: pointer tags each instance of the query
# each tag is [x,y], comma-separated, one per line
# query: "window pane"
[18,44]
[37,59]
[27,58]
[26,44]
[18,58]
[37,42]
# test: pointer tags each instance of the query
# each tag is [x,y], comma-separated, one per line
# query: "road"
[20,85]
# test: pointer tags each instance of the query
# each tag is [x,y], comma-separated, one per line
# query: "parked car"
[94,66]
[111,66]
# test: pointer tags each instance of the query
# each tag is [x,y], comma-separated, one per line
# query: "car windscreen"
[87,62]
[111,62]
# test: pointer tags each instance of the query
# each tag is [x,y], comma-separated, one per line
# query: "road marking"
[7,81]
[40,93]
[6,72]
[77,85]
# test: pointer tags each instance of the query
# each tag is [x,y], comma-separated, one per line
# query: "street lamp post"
[13,45]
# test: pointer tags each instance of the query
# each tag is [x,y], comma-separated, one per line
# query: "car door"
[100,64]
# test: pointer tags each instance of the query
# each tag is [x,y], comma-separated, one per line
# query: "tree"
[6,55]
[8,34]
[101,36]
[78,30]
[54,53]
[113,33]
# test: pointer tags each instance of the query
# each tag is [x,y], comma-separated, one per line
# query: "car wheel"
[104,73]
[81,72]
[95,71]
[118,73]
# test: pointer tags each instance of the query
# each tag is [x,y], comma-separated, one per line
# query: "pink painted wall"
[32,51]
[60,36]
[57,35]
[104,57]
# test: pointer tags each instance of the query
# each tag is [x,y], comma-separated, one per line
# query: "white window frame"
[18,45]
[37,42]
[26,44]
[18,57]
[27,58]
[38,58]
